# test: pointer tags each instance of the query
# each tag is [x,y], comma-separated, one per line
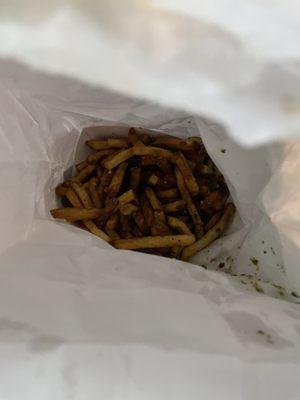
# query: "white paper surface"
[236,61]
[81,320]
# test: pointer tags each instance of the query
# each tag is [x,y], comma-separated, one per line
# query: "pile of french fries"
[154,193]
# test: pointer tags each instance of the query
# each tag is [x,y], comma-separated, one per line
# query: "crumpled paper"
[234,61]
[79,319]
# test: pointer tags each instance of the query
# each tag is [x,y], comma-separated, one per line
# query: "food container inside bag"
[90,320]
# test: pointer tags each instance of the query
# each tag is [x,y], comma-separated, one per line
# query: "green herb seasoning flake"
[254,260]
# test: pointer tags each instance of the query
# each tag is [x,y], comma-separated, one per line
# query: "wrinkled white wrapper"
[235,60]
[81,320]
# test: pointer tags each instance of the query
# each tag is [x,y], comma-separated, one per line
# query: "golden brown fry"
[93,228]
[174,206]
[98,144]
[112,234]
[106,178]
[73,198]
[61,190]
[117,180]
[173,143]
[93,189]
[118,142]
[135,177]
[189,204]
[187,174]
[159,228]
[167,193]
[211,235]
[126,197]
[145,138]
[112,221]
[128,209]
[84,173]
[80,166]
[96,157]
[179,225]
[153,180]
[76,214]
[125,226]
[148,242]
[213,220]
[155,203]
[147,210]
[132,136]
[140,220]
[82,195]
[137,151]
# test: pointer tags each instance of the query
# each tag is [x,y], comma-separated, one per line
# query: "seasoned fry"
[128,209]
[126,197]
[112,221]
[153,180]
[76,214]
[117,180]
[93,189]
[213,220]
[92,227]
[81,165]
[173,143]
[148,242]
[179,225]
[112,234]
[82,195]
[137,151]
[84,173]
[168,193]
[174,206]
[118,142]
[61,190]
[132,187]
[132,136]
[135,177]
[211,235]
[189,204]
[96,157]
[187,174]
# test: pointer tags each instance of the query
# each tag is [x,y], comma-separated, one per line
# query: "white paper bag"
[81,320]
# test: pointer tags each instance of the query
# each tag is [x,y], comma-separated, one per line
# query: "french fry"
[136,151]
[135,177]
[147,210]
[132,136]
[160,162]
[118,142]
[99,171]
[92,227]
[82,195]
[149,242]
[187,174]
[93,189]
[76,214]
[112,221]
[61,190]
[145,138]
[173,143]
[128,209]
[73,198]
[98,144]
[112,234]
[167,193]
[189,204]
[213,220]
[125,226]
[174,206]
[155,204]
[126,197]
[178,225]
[80,166]
[135,230]
[140,220]
[159,228]
[117,180]
[211,235]
[153,180]
[96,157]
[84,173]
